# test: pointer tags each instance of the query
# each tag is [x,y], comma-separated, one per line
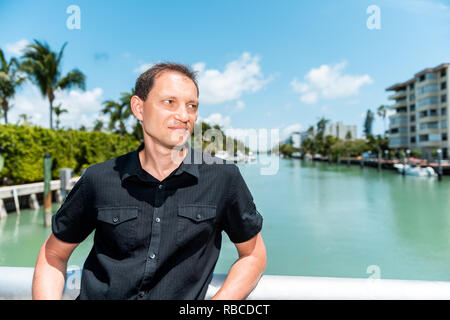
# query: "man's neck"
[159,160]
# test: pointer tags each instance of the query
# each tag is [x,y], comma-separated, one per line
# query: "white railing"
[30,189]
[15,283]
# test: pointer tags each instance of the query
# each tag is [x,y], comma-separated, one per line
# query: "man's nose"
[181,113]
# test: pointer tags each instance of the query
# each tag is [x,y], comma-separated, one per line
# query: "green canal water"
[319,220]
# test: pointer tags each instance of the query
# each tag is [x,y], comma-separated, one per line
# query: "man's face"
[171,109]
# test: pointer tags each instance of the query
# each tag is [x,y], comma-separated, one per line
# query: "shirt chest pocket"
[116,228]
[195,224]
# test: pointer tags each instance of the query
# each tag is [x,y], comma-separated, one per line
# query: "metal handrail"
[15,283]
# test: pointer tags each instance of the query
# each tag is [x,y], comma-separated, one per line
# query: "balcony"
[430,119]
[401,142]
[427,81]
[430,131]
[431,144]
[399,104]
[398,95]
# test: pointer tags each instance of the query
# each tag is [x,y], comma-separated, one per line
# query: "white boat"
[222,154]
[415,170]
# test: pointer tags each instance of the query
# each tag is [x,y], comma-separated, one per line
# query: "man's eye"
[193,106]
[168,101]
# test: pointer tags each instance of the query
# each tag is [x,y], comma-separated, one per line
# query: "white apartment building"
[420,119]
[340,130]
[296,142]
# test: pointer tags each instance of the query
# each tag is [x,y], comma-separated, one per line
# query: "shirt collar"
[133,166]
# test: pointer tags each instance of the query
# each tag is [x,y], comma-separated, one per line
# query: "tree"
[58,111]
[319,137]
[98,125]
[44,68]
[368,123]
[321,125]
[26,119]
[382,112]
[10,79]
[118,112]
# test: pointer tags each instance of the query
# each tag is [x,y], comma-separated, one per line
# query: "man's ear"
[137,107]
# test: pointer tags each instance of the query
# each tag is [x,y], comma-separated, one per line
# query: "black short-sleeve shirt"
[155,239]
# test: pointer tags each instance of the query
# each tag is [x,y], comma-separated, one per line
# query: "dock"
[14,198]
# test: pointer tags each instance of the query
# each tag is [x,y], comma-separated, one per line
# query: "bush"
[23,149]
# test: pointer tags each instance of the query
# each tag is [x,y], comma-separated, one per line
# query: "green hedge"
[23,149]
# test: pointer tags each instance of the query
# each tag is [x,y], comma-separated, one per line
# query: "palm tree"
[321,125]
[118,112]
[368,123]
[59,111]
[26,119]
[10,79]
[98,125]
[44,68]
[381,112]
[319,138]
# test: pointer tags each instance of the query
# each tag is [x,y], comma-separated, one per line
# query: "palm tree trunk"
[5,109]
[50,98]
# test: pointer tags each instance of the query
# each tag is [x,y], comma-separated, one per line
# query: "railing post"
[439,165]
[65,175]
[33,202]
[379,160]
[16,201]
[3,213]
[47,190]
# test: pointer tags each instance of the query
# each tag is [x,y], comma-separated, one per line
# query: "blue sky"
[262,64]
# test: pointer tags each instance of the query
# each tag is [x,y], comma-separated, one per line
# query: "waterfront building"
[340,130]
[296,139]
[420,113]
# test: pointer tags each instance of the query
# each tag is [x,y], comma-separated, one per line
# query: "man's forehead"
[168,76]
[171,83]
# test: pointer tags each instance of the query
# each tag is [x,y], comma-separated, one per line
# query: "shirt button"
[141,294]
[115,219]
[160,187]
[199,216]
[152,256]
[157,219]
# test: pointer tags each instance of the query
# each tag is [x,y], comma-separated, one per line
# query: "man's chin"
[181,143]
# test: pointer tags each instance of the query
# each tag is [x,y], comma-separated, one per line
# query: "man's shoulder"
[108,167]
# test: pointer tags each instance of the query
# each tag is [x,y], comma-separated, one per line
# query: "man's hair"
[146,80]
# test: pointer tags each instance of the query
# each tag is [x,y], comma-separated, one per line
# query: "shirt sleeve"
[242,220]
[73,221]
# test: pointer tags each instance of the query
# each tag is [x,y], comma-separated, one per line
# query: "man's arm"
[50,271]
[245,273]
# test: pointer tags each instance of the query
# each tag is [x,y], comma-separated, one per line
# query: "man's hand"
[50,271]
[245,273]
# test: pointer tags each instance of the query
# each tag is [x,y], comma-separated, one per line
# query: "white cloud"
[329,82]
[240,105]
[16,48]
[216,118]
[291,128]
[83,106]
[422,7]
[240,76]
[143,67]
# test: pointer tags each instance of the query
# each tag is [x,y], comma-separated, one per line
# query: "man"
[156,212]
